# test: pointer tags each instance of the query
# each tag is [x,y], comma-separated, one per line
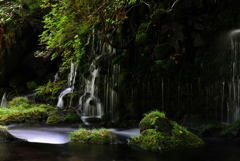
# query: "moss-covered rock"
[49,93]
[20,110]
[156,120]
[72,118]
[19,101]
[159,133]
[5,136]
[54,119]
[100,136]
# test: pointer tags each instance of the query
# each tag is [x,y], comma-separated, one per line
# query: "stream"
[50,143]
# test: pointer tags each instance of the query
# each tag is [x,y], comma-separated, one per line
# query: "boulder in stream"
[98,136]
[159,133]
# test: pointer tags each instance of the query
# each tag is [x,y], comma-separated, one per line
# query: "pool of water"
[49,143]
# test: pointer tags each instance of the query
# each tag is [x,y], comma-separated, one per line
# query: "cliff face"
[178,61]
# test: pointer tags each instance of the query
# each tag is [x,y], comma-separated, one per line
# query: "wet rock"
[5,136]
[159,133]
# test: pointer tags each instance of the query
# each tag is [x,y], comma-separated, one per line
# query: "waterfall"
[233,107]
[71,81]
[4,101]
[89,103]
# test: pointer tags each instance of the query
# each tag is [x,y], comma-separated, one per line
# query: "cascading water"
[4,101]
[233,104]
[89,103]
[71,81]
[100,91]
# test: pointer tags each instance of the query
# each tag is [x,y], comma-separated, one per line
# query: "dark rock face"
[17,46]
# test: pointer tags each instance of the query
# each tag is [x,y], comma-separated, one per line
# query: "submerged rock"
[159,133]
[5,136]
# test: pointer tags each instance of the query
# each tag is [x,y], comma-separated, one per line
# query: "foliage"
[14,15]
[99,136]
[69,24]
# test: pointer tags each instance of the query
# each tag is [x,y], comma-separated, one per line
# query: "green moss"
[100,136]
[159,133]
[20,110]
[142,38]
[72,117]
[54,119]
[19,101]
[93,120]
[231,127]
[211,130]
[31,85]
[48,93]
[156,120]
[35,114]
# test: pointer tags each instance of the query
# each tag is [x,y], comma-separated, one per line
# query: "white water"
[71,81]
[4,101]
[89,103]
[62,94]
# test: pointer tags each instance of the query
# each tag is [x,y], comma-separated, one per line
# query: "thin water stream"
[49,143]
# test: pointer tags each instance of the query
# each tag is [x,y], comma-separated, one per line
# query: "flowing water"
[4,101]
[71,81]
[49,143]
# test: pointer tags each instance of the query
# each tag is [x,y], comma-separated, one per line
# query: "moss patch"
[100,136]
[53,118]
[20,110]
[72,118]
[49,93]
[159,133]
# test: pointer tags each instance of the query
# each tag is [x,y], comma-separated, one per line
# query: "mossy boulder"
[20,110]
[54,119]
[72,118]
[19,101]
[159,133]
[100,136]
[156,121]
[5,136]
[49,93]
